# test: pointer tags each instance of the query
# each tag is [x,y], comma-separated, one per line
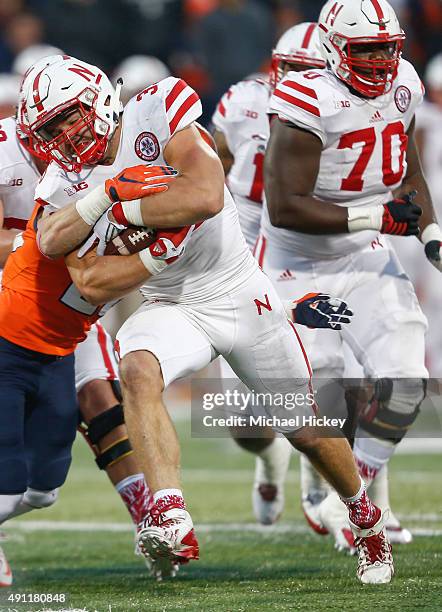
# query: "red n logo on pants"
[260,305]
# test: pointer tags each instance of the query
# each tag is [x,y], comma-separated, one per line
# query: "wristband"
[431,232]
[128,213]
[93,205]
[152,265]
[364,218]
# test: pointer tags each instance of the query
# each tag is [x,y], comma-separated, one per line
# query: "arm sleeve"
[298,103]
[181,104]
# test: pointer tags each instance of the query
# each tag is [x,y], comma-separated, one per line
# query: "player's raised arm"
[196,194]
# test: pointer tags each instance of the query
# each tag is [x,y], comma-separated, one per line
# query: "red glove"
[168,247]
[139,182]
[401,216]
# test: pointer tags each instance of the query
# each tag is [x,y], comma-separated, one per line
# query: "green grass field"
[241,567]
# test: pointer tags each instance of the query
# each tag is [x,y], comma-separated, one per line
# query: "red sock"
[367,472]
[136,496]
[362,511]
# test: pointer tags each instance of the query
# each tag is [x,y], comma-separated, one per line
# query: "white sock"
[378,489]
[275,460]
[358,495]
[8,505]
[313,485]
[372,452]
[165,492]
[127,481]
[33,499]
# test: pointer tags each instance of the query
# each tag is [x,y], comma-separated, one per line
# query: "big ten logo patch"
[73,189]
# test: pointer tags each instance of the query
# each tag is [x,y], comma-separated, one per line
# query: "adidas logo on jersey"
[286,275]
[376,117]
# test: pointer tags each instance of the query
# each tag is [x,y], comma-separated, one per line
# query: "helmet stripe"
[37,100]
[308,36]
[379,13]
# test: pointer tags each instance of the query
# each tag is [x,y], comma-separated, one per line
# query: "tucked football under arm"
[61,231]
[106,278]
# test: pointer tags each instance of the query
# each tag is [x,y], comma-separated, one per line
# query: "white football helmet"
[348,28]
[138,72]
[433,73]
[22,125]
[56,91]
[298,45]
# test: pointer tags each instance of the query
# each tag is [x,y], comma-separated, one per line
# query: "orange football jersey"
[40,307]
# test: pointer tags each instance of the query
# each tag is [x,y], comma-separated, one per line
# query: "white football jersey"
[364,145]
[216,259]
[18,178]
[429,120]
[241,116]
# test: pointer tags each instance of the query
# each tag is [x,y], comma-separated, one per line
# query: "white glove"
[432,239]
[103,231]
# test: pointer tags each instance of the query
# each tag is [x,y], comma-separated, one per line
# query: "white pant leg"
[292,278]
[250,329]
[167,331]
[95,358]
[387,334]
[427,284]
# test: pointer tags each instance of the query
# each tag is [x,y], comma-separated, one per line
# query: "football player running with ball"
[43,319]
[214,301]
[341,171]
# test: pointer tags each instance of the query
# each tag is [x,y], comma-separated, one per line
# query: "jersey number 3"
[354,181]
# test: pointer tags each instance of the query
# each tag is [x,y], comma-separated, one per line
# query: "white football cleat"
[379,495]
[314,490]
[158,569]
[396,533]
[270,473]
[166,537]
[375,561]
[310,507]
[333,515]
[5,571]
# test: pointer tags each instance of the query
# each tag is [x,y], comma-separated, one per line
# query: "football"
[131,240]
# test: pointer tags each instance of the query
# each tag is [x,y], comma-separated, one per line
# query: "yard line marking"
[282,529]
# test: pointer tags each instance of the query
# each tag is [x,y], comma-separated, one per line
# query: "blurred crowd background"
[209,43]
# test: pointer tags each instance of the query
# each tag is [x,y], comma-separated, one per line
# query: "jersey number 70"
[354,181]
